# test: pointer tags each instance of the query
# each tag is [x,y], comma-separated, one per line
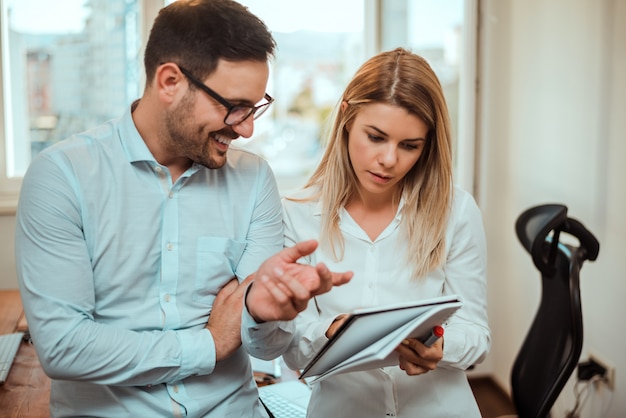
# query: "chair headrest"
[535,224]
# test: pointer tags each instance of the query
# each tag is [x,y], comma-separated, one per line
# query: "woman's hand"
[336,324]
[416,358]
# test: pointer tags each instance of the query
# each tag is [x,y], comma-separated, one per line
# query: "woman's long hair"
[404,79]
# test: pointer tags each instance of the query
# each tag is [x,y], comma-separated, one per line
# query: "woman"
[383,205]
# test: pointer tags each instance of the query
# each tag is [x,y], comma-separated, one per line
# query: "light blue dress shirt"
[118,269]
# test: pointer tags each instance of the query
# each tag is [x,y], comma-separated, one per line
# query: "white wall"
[552,127]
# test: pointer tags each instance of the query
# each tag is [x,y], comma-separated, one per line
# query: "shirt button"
[149,385]
[170,195]
[175,388]
[170,246]
[167,298]
[158,169]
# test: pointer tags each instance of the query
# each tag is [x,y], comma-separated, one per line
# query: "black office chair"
[552,347]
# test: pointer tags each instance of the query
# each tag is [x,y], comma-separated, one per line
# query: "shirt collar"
[318,210]
[133,144]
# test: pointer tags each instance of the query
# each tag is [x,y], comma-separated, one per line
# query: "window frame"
[466,140]
[9,187]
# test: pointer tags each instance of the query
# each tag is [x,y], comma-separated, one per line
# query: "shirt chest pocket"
[218,258]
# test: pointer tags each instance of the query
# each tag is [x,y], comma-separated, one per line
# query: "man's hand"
[282,287]
[225,318]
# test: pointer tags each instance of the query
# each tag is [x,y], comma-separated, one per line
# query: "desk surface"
[27,389]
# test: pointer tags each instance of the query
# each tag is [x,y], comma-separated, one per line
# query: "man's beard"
[185,139]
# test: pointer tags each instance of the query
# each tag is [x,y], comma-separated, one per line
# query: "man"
[132,238]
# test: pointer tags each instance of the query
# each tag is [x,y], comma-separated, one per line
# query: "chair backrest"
[552,347]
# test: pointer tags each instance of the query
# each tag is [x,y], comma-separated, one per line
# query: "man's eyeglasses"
[236,113]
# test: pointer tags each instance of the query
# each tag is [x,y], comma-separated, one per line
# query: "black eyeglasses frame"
[232,109]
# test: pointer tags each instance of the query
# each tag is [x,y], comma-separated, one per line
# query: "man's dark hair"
[197,33]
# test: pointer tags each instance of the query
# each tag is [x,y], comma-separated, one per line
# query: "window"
[66,67]
[57,80]
[317,54]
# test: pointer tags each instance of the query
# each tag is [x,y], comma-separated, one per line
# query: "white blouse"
[382,276]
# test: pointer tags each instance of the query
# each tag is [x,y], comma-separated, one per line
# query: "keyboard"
[9,344]
[286,399]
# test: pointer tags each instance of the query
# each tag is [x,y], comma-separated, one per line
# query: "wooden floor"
[492,400]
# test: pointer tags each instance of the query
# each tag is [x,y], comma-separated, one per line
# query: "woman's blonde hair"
[404,79]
